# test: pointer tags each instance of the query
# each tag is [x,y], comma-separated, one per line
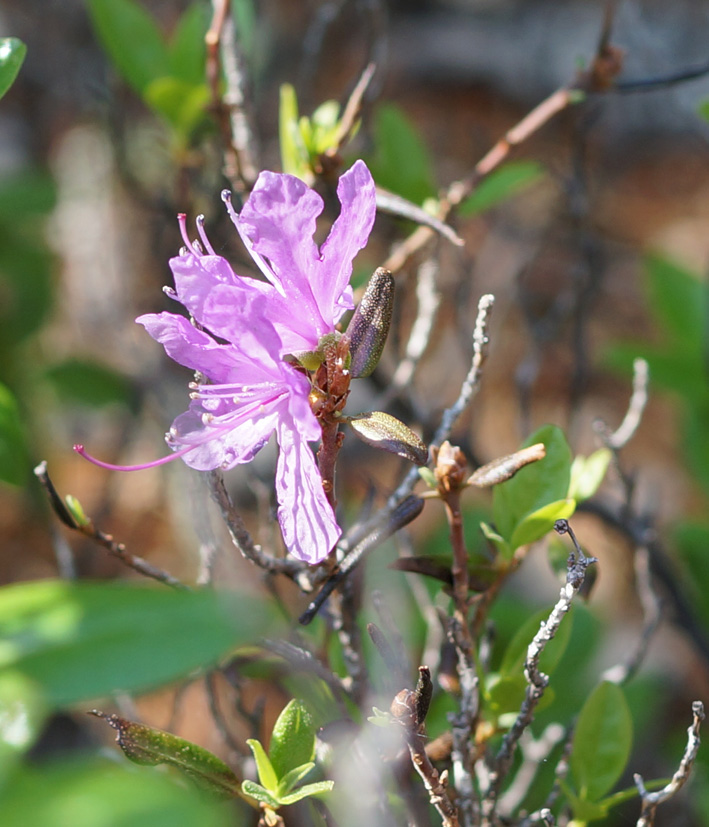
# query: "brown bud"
[451,467]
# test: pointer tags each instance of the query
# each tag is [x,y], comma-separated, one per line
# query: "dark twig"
[240,535]
[537,681]
[650,84]
[651,801]
[88,529]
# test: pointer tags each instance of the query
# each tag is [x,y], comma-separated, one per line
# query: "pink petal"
[307,521]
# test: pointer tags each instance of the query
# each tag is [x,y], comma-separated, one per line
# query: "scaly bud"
[368,329]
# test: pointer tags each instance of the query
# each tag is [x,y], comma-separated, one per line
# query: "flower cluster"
[243,328]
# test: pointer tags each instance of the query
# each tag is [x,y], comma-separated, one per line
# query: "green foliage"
[526,507]
[167,74]
[148,746]
[289,760]
[587,474]
[98,793]
[12,55]
[501,185]
[22,715]
[602,741]
[401,162]
[14,456]
[85,640]
[90,383]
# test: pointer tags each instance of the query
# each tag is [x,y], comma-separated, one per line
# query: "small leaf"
[380,430]
[369,326]
[428,477]
[380,718]
[266,773]
[76,510]
[254,790]
[536,485]
[602,742]
[290,779]
[501,185]
[317,788]
[587,474]
[499,542]
[14,457]
[132,40]
[12,55]
[540,522]
[145,745]
[293,151]
[293,738]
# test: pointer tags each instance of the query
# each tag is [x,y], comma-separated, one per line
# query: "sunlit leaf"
[251,788]
[145,745]
[293,777]
[535,525]
[86,640]
[381,430]
[317,788]
[266,773]
[293,739]
[22,716]
[587,474]
[12,55]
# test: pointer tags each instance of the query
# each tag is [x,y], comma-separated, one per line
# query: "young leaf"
[86,640]
[290,779]
[381,430]
[14,458]
[602,742]
[292,739]
[500,185]
[12,55]
[187,48]
[317,788]
[540,522]
[146,745]
[251,788]
[267,775]
[293,152]
[587,474]
[535,486]
[132,40]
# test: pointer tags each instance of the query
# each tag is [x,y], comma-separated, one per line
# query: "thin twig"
[650,84]
[626,430]
[240,535]
[88,529]
[651,801]
[537,681]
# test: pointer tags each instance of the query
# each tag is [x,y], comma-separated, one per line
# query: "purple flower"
[245,326]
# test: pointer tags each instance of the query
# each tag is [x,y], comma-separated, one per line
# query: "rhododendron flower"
[244,328]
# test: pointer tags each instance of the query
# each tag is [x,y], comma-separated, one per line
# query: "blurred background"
[601,258]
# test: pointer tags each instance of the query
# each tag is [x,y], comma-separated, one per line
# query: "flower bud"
[368,329]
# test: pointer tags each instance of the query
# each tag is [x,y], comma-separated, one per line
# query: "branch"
[88,529]
[651,801]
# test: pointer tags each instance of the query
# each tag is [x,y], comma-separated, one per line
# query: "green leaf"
[12,55]
[251,788]
[587,474]
[183,105]
[97,793]
[381,430]
[28,193]
[86,640]
[187,49]
[146,745]
[290,779]
[540,522]
[22,716]
[266,773]
[294,157]
[501,185]
[583,810]
[602,742]
[678,300]
[324,124]
[292,739]
[132,40]
[317,788]
[516,652]
[534,486]
[499,542]
[90,383]
[401,162]
[504,697]
[14,457]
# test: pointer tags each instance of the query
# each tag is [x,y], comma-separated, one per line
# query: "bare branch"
[626,430]
[651,801]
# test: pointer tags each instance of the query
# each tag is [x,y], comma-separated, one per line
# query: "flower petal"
[348,236]
[307,521]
